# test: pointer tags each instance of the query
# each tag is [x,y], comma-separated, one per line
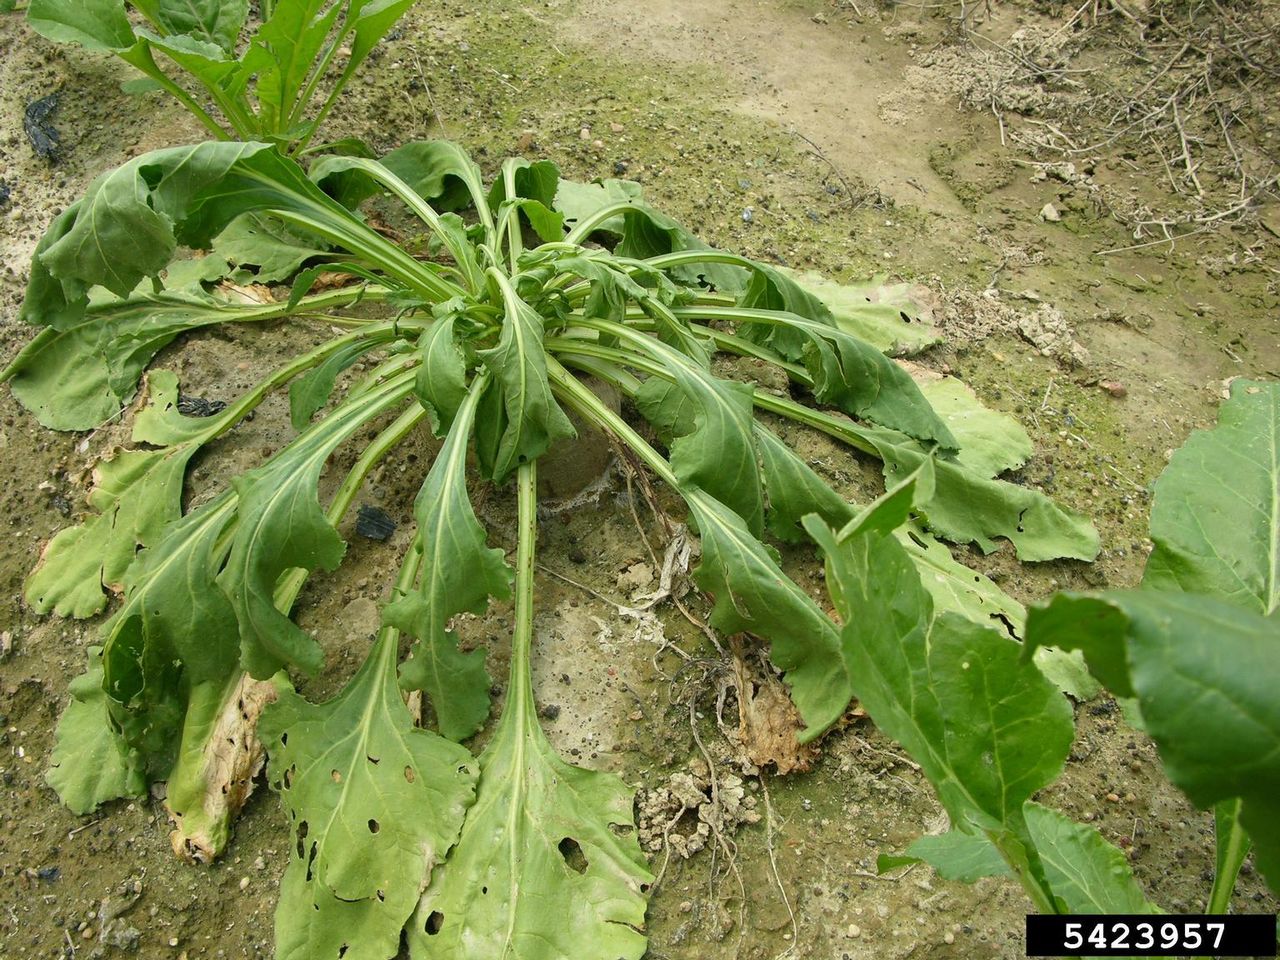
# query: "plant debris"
[374,523]
[37,123]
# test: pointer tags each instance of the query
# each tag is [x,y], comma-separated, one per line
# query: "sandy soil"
[850,155]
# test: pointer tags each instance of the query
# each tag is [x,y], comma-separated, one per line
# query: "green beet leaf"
[460,574]
[91,763]
[533,418]
[954,855]
[1215,516]
[547,865]
[374,803]
[1087,874]
[988,730]
[280,526]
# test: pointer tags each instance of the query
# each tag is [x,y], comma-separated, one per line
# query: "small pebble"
[244,883]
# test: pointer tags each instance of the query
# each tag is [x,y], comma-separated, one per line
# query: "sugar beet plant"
[259,87]
[486,329]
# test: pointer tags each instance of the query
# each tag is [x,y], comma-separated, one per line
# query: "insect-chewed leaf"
[753,594]
[375,804]
[548,866]
[264,250]
[988,730]
[124,229]
[91,763]
[1087,874]
[578,200]
[281,526]
[533,418]
[459,573]
[990,442]
[795,491]
[647,233]
[711,429]
[439,171]
[1224,479]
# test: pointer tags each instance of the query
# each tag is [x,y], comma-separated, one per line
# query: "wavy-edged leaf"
[578,200]
[459,574]
[283,52]
[174,629]
[441,384]
[312,390]
[990,442]
[76,377]
[91,763]
[263,250]
[124,230]
[752,594]
[548,864]
[375,805]
[1215,513]
[439,171]
[647,233]
[533,191]
[280,526]
[1087,874]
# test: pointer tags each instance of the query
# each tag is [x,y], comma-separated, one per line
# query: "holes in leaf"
[484,890]
[374,760]
[645,887]
[382,897]
[434,924]
[621,829]
[303,828]
[335,776]
[409,774]
[311,861]
[374,826]
[342,951]
[573,856]
[903,315]
[284,739]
